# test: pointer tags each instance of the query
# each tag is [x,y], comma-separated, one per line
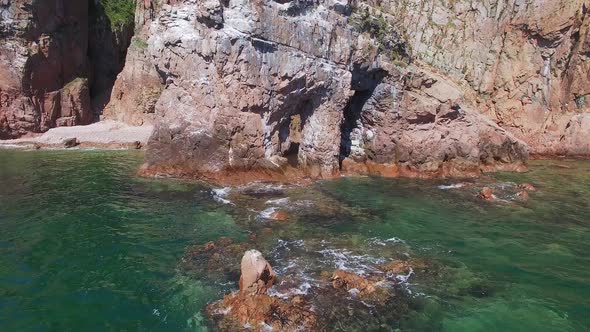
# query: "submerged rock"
[527,187]
[404,267]
[522,195]
[221,256]
[371,288]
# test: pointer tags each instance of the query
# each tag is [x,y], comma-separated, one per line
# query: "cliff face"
[272,88]
[293,88]
[524,63]
[52,52]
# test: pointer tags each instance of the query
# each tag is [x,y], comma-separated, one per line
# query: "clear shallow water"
[87,245]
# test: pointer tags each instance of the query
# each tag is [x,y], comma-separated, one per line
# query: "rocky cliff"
[57,59]
[241,89]
[524,63]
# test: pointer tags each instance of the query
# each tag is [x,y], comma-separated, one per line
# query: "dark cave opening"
[290,139]
[364,82]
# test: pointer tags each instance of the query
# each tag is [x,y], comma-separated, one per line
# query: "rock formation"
[253,307]
[138,87]
[257,275]
[524,64]
[49,51]
[341,297]
[241,90]
[486,193]
[263,88]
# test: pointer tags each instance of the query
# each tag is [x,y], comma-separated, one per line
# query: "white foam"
[223,311]
[345,260]
[380,242]
[354,292]
[267,214]
[404,278]
[451,186]
[278,201]
[220,194]
[265,327]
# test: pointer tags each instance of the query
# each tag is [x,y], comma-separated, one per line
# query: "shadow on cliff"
[107,50]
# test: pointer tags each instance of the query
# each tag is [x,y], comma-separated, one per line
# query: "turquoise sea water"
[85,245]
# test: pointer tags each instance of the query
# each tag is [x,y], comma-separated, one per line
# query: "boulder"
[279,216]
[252,306]
[522,195]
[70,142]
[257,274]
[527,187]
[486,193]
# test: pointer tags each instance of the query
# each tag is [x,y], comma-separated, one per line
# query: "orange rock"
[239,309]
[522,195]
[486,193]
[527,187]
[349,280]
[279,215]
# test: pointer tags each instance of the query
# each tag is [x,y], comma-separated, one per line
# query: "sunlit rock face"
[525,64]
[295,89]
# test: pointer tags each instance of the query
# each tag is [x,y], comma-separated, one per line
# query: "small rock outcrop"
[253,307]
[522,195]
[70,142]
[527,187]
[486,193]
[257,275]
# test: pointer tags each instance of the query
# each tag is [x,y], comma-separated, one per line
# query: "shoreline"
[113,135]
[108,135]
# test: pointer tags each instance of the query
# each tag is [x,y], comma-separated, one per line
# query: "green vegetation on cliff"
[119,12]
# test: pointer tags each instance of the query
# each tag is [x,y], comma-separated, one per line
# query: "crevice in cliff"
[290,139]
[364,82]
[108,43]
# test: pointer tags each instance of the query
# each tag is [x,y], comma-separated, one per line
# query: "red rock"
[486,193]
[349,280]
[522,195]
[251,305]
[239,309]
[527,187]
[279,215]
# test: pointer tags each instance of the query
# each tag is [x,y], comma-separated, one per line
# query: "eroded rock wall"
[524,63]
[42,62]
[298,88]
[138,86]
[57,57]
